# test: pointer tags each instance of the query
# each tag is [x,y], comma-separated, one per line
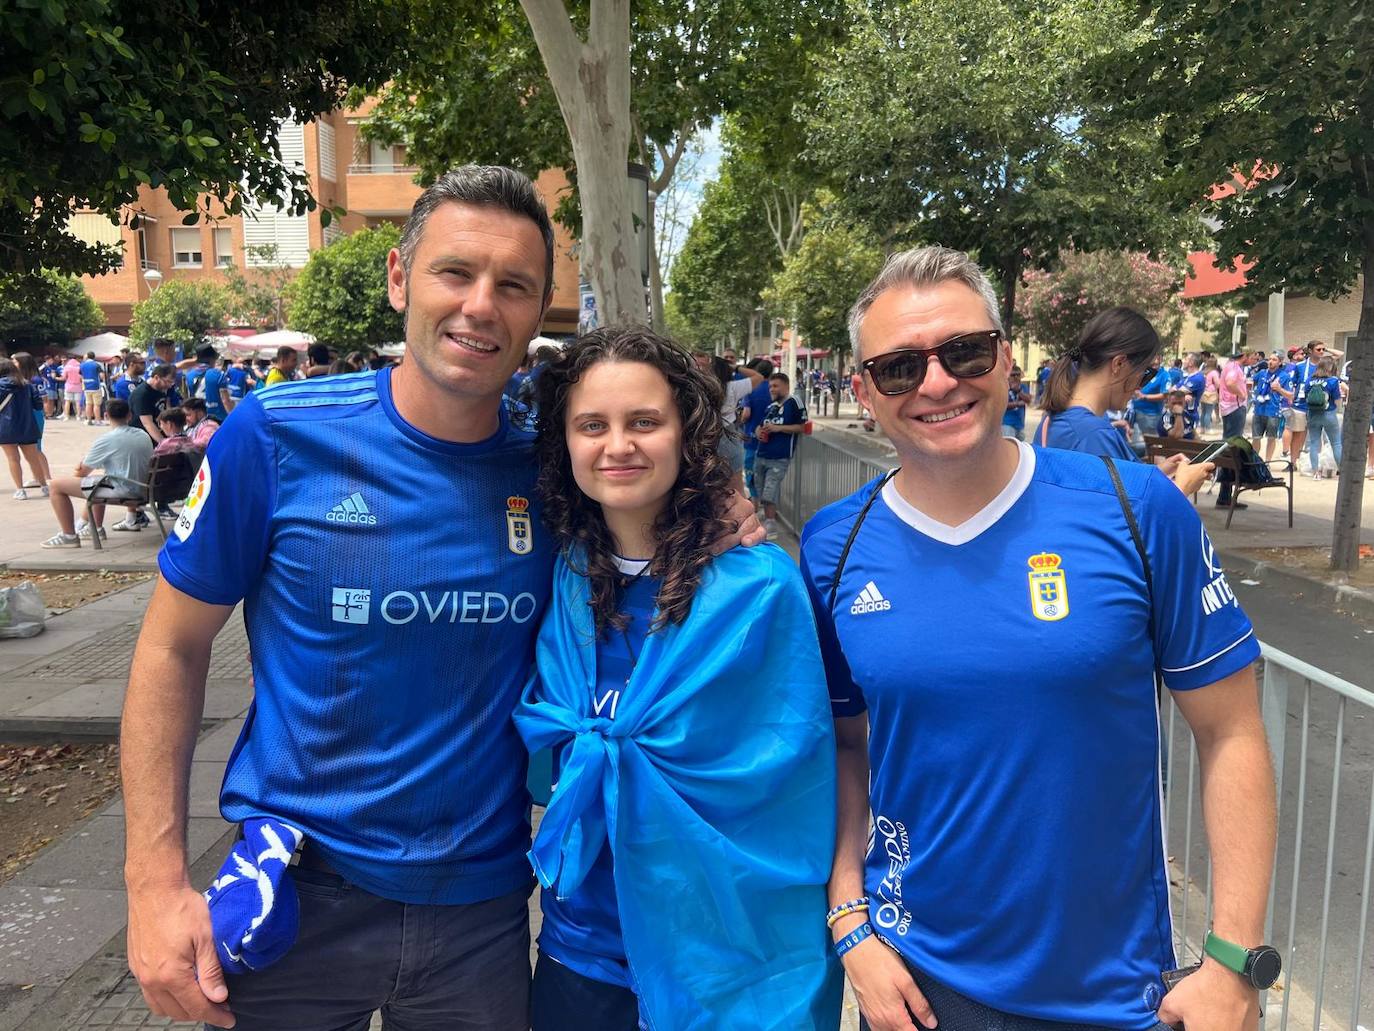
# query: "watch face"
[1265,967]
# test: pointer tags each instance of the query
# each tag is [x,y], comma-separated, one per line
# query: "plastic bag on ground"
[21,611]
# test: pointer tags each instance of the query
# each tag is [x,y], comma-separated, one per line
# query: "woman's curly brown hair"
[690,523]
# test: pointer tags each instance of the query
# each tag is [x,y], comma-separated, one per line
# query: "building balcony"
[381,189]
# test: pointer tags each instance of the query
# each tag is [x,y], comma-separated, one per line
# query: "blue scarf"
[253,906]
[715,786]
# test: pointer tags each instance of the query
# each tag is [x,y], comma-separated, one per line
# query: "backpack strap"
[854,532]
[1134,526]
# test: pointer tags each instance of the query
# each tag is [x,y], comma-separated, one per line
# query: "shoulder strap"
[854,532]
[1134,526]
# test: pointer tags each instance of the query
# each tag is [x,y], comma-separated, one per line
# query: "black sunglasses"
[967,356]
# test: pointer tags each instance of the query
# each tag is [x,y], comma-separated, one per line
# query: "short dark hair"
[173,415]
[117,409]
[162,370]
[782,377]
[194,404]
[483,186]
[163,342]
[284,352]
[206,354]
[762,366]
[318,354]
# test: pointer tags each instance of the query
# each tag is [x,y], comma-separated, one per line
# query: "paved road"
[1288,618]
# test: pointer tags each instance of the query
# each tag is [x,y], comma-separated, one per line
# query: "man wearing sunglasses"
[1015,873]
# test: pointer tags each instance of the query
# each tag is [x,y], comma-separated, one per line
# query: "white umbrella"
[105,345]
[278,338]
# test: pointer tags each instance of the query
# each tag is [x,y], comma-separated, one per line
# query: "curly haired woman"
[686,846]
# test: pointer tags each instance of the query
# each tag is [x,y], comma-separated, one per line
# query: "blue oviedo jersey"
[1017,852]
[392,586]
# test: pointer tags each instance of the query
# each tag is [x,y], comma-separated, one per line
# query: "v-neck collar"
[981,520]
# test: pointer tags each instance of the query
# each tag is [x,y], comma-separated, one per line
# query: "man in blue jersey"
[93,383]
[208,382]
[756,407]
[388,653]
[1265,416]
[1015,874]
[1148,404]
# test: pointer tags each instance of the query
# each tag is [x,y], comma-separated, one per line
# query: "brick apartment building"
[371,182]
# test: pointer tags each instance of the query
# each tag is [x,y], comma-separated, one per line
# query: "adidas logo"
[870,599]
[352,509]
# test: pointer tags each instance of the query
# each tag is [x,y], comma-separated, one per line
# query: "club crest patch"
[519,525]
[1049,587]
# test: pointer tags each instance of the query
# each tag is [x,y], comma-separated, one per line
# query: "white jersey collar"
[976,523]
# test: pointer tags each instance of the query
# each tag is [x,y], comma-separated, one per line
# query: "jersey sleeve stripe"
[1211,658]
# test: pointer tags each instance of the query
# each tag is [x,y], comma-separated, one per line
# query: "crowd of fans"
[162,399]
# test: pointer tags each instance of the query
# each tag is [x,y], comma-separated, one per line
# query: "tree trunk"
[1345,537]
[592,83]
[656,319]
[1011,275]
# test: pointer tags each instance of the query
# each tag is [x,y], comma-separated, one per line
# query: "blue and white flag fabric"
[715,787]
[254,911]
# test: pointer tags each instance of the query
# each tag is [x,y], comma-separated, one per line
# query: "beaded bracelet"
[864,930]
[859,905]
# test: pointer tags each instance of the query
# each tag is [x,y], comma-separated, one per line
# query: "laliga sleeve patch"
[195,502]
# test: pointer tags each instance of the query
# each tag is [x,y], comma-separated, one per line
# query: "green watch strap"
[1228,954]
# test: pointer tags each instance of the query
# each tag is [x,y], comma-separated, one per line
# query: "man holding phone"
[1015,875]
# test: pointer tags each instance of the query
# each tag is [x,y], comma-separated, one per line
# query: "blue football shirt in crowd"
[1018,852]
[205,382]
[786,412]
[1157,384]
[1015,415]
[1297,377]
[1265,397]
[759,400]
[90,374]
[124,387]
[238,382]
[392,586]
[1080,429]
[583,931]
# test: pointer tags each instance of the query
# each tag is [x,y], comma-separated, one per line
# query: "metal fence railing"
[1321,736]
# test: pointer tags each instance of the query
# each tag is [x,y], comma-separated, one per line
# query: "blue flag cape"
[715,786]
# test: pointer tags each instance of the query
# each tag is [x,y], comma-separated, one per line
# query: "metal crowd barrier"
[1321,736]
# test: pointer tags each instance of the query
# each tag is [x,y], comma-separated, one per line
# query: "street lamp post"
[153,278]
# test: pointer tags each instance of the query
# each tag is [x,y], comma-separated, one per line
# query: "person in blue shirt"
[93,383]
[666,774]
[998,803]
[1292,384]
[1101,372]
[1175,373]
[1014,421]
[208,382]
[777,434]
[241,381]
[752,411]
[1266,415]
[1148,403]
[1323,396]
[388,654]
[129,380]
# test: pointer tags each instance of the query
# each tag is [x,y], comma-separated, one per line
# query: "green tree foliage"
[477,88]
[340,296]
[822,277]
[725,262]
[45,307]
[1053,307]
[258,295]
[183,310]
[963,123]
[1275,103]
[101,97]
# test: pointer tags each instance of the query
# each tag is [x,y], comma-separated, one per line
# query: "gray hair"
[924,266]
[485,186]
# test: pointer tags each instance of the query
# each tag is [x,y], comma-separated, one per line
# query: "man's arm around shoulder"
[170,945]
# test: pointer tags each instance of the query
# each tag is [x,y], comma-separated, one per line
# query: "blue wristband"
[864,930]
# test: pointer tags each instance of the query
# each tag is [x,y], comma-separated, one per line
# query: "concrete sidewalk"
[66,910]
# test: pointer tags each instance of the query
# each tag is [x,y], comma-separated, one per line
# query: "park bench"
[169,480]
[1162,447]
